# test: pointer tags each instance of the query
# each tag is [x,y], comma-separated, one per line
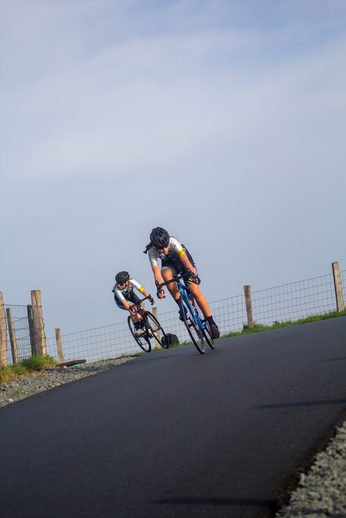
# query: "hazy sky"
[221,120]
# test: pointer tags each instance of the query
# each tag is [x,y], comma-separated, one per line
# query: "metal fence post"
[248,303]
[157,333]
[340,302]
[3,332]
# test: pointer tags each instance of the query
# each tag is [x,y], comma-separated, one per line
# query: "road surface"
[176,433]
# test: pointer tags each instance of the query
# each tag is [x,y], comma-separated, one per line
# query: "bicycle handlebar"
[176,278]
[149,297]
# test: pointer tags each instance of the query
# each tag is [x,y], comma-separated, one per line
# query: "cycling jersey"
[175,250]
[126,292]
[172,260]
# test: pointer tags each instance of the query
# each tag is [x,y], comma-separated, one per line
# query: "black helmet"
[159,237]
[122,277]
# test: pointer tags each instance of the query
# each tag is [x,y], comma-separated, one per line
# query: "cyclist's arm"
[157,274]
[158,280]
[141,290]
[186,262]
[118,295]
[146,294]
[127,304]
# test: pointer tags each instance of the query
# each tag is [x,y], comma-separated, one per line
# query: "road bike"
[199,330]
[151,327]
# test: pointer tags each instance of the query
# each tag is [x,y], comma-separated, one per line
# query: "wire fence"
[25,328]
[284,303]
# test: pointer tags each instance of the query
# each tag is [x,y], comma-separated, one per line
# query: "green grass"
[37,363]
[25,367]
[277,325]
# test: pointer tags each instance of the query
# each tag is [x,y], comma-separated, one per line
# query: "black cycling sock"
[178,301]
[211,320]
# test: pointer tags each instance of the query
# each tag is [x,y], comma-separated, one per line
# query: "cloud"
[119,116]
[145,99]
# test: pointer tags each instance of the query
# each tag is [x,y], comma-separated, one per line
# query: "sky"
[222,121]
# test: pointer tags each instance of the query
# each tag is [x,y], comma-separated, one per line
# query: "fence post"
[248,303]
[3,332]
[38,323]
[12,334]
[340,302]
[59,346]
[31,329]
[157,333]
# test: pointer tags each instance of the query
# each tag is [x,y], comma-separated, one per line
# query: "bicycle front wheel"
[191,326]
[155,330]
[208,335]
[143,341]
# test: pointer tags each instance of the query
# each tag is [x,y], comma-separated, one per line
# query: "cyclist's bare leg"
[200,299]
[172,287]
[133,313]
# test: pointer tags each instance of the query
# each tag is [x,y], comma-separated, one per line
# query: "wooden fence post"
[31,329]
[157,333]
[59,346]
[340,301]
[12,334]
[40,336]
[248,303]
[3,332]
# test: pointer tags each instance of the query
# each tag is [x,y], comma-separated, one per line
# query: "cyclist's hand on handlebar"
[161,294]
[195,279]
[132,308]
[151,299]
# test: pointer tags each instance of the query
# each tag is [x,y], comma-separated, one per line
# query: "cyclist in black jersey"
[125,298]
[175,259]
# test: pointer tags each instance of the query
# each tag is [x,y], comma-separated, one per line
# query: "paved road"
[175,433]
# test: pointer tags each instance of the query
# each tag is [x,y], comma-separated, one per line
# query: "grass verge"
[257,328]
[277,325]
[25,367]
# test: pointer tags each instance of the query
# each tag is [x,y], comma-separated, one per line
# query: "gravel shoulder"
[46,379]
[321,492]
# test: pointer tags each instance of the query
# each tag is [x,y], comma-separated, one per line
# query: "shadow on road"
[303,403]
[215,501]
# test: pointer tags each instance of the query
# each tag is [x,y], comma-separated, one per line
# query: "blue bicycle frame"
[186,294]
[196,328]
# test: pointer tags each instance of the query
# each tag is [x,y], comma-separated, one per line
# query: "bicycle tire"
[142,341]
[153,326]
[191,326]
[208,335]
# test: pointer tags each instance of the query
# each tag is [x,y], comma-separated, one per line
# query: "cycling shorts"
[176,266]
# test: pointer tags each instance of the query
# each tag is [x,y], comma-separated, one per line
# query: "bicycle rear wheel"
[208,334]
[155,330]
[191,326]
[143,341]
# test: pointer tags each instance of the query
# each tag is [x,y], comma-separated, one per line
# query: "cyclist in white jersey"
[125,298]
[175,259]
